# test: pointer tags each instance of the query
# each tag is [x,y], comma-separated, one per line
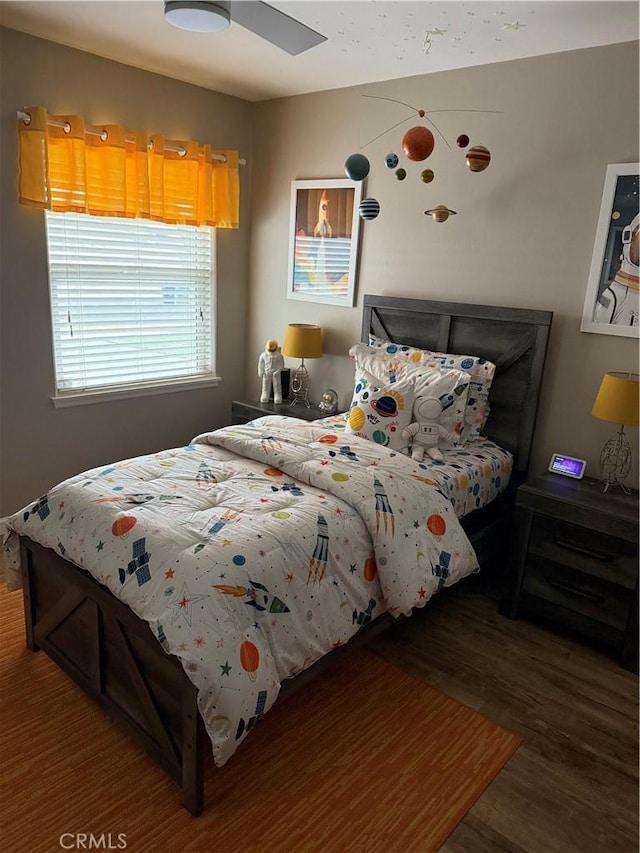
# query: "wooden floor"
[573,783]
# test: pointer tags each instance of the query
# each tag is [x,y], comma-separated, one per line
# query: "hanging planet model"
[427,175]
[478,158]
[391,160]
[356,167]
[440,213]
[418,143]
[369,208]
[401,174]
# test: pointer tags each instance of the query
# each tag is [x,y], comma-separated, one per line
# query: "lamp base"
[615,461]
[300,382]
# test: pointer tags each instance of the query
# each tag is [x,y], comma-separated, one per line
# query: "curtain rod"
[26,118]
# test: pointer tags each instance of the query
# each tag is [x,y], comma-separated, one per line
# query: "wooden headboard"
[514,339]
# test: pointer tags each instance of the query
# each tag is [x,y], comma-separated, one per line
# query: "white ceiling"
[368,40]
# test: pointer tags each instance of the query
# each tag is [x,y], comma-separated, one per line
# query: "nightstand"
[574,560]
[243,411]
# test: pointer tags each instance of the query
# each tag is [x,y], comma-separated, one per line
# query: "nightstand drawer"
[597,599]
[584,550]
[574,561]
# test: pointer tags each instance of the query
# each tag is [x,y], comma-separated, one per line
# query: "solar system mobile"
[418,144]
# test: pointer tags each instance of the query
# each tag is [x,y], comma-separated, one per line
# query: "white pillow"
[480,370]
[450,386]
[380,410]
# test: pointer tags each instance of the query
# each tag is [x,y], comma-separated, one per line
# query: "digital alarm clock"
[568,466]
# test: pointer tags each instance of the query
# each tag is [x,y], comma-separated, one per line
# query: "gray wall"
[40,445]
[525,227]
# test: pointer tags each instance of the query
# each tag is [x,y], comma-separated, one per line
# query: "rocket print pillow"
[379,410]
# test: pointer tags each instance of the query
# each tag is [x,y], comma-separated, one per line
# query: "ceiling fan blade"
[273,25]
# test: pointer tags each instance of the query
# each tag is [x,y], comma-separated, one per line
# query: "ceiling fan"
[260,18]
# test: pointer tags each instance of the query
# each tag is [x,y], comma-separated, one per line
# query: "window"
[131,304]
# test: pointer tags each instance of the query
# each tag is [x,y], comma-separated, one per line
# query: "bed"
[283,502]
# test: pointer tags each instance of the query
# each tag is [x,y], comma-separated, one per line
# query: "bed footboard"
[116,659]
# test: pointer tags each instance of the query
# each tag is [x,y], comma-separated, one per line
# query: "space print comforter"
[255,550]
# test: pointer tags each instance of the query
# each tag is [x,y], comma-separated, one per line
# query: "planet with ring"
[386,406]
[440,213]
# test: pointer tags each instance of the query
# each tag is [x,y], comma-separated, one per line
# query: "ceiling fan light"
[197,15]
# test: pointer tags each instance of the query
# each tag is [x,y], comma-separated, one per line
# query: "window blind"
[131,301]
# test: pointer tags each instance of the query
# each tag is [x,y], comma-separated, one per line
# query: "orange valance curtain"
[107,171]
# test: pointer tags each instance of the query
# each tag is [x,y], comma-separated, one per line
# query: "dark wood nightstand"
[574,560]
[243,411]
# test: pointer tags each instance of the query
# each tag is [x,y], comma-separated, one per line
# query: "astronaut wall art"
[612,300]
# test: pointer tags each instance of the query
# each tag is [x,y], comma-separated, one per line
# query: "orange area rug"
[363,758]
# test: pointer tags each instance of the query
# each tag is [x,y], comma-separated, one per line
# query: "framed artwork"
[323,241]
[611,302]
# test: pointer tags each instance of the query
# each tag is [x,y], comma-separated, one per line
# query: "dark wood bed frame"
[117,660]
[515,340]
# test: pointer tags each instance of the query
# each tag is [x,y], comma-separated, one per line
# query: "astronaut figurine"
[270,365]
[425,432]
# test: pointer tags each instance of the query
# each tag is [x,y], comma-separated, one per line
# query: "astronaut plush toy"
[425,432]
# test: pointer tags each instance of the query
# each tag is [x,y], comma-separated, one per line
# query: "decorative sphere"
[369,208]
[440,213]
[462,141]
[417,143]
[391,160]
[329,405]
[401,174]
[427,175]
[478,158]
[356,167]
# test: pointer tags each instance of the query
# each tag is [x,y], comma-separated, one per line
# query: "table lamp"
[302,341]
[617,402]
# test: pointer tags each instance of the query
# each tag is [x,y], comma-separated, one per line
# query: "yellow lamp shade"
[302,341]
[617,399]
